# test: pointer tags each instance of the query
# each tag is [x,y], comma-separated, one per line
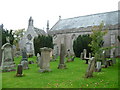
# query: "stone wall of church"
[68,36]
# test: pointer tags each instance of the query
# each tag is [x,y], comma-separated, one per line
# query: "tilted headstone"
[91,68]
[25,64]
[62,56]
[45,59]
[7,58]
[19,70]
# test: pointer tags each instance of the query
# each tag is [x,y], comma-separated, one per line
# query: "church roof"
[39,31]
[109,18]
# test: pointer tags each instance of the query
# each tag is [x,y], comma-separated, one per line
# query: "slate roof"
[39,31]
[109,18]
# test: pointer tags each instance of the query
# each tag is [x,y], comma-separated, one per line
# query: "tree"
[96,47]
[42,41]
[18,35]
[7,33]
[97,40]
[81,43]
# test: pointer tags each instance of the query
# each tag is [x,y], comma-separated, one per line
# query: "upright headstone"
[7,58]
[84,53]
[45,59]
[98,67]
[62,56]
[114,59]
[24,55]
[103,57]
[19,70]
[81,56]
[90,55]
[25,64]
[38,59]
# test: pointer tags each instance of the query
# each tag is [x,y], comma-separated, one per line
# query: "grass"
[72,77]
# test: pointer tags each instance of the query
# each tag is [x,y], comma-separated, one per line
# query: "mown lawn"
[72,77]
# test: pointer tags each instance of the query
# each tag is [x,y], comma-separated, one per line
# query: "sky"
[14,14]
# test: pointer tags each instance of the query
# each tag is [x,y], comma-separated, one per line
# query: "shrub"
[81,43]
[42,41]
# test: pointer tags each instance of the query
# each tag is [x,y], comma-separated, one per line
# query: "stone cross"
[7,58]
[45,59]
[19,70]
[62,56]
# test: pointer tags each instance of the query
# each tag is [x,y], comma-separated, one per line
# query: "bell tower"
[30,23]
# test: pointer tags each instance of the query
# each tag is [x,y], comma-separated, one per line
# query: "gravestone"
[103,57]
[81,56]
[84,53]
[19,70]
[7,58]
[113,58]
[38,59]
[91,68]
[98,67]
[62,56]
[45,59]
[25,64]
[24,55]
[90,55]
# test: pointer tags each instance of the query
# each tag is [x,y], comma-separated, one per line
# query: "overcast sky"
[14,14]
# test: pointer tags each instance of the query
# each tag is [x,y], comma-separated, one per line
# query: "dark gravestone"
[24,55]
[62,56]
[19,70]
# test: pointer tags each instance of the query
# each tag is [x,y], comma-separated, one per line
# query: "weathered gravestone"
[62,56]
[91,68]
[45,59]
[98,67]
[24,60]
[103,57]
[24,55]
[84,53]
[19,70]
[25,64]
[7,58]
[81,56]
[113,57]
[38,59]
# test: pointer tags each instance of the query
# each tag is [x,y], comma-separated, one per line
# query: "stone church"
[30,34]
[67,30]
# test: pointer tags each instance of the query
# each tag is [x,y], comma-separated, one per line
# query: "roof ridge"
[90,15]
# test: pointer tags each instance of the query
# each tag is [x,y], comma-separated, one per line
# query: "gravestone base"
[45,70]
[8,67]
[62,66]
